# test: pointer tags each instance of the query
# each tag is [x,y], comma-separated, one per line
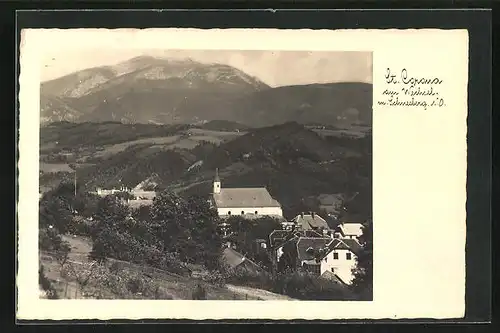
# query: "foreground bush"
[46,285]
[199,293]
[299,285]
[112,281]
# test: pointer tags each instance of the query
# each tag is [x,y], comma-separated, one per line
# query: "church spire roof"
[216,179]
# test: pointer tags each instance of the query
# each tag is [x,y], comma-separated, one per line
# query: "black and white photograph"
[190,174]
[170,174]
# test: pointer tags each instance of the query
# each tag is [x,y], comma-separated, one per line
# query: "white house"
[103,192]
[143,195]
[337,256]
[349,230]
[341,258]
[244,201]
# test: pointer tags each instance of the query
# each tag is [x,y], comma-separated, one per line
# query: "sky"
[275,68]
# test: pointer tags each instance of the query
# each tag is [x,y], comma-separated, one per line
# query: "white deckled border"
[419,179]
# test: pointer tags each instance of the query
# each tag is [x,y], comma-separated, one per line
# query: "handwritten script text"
[408,90]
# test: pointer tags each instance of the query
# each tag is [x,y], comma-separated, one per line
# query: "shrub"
[216,278]
[307,286]
[135,285]
[80,226]
[46,284]
[199,293]
[260,280]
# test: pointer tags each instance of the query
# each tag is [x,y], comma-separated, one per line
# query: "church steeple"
[217,182]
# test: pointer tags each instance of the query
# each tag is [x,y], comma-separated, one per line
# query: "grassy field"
[172,286]
[182,140]
[218,134]
[338,133]
[119,147]
[55,167]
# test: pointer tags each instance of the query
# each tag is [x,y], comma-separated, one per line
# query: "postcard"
[242,174]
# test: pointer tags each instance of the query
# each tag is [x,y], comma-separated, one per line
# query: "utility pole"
[75,183]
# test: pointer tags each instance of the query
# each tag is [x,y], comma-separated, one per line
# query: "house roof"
[234,258]
[244,198]
[136,203]
[278,236]
[345,244]
[308,221]
[312,233]
[355,229]
[316,243]
[304,243]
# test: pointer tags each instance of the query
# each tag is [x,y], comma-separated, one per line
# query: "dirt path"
[258,293]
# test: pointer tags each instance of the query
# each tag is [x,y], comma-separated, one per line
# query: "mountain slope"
[339,104]
[77,84]
[147,89]
[164,91]
[294,163]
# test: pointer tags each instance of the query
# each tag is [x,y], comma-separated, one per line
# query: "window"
[242,212]
[333,270]
[348,255]
[256,213]
[229,213]
[335,255]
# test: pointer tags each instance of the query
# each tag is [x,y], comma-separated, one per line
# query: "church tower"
[217,183]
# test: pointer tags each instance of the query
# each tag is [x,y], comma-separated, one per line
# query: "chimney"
[302,214]
[312,214]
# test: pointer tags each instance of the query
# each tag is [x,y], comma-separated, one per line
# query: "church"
[256,201]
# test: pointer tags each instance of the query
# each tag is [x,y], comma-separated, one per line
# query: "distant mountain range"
[165,91]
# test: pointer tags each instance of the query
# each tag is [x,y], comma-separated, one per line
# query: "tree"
[62,253]
[363,272]
[82,275]
[106,232]
[288,260]
[204,231]
[55,211]
[86,203]
[245,232]
[187,228]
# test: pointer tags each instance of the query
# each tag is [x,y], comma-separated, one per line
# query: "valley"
[169,179]
[185,157]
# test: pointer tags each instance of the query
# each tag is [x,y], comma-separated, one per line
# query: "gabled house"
[349,230]
[337,256]
[307,253]
[278,238]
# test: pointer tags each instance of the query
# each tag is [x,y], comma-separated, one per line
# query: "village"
[322,250]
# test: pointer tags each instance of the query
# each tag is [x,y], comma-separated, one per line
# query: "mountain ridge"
[146,89]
